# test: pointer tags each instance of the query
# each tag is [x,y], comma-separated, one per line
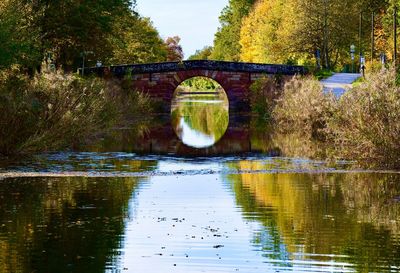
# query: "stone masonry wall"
[163,85]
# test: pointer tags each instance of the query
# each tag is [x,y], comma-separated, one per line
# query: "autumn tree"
[174,49]
[293,31]
[266,31]
[327,26]
[135,40]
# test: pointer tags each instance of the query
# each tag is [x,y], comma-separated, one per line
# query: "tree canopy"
[174,49]
[61,31]
[226,43]
[202,54]
[302,31]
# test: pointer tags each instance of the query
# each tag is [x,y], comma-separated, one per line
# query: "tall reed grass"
[304,107]
[54,110]
[366,123]
[362,125]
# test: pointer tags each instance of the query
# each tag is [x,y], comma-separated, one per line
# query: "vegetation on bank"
[43,106]
[366,120]
[54,110]
[361,125]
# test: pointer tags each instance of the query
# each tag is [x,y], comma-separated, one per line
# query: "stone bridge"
[160,80]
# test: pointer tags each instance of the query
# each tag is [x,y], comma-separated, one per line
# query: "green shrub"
[366,125]
[264,93]
[323,74]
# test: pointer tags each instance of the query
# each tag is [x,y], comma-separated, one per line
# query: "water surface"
[339,222]
[150,200]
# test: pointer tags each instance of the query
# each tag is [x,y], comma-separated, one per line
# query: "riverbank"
[53,110]
[179,173]
[362,124]
[56,112]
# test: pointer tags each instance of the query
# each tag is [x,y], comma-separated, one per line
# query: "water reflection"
[237,222]
[344,222]
[200,117]
[62,225]
[242,137]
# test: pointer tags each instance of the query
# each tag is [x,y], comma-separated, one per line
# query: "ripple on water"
[246,214]
[128,164]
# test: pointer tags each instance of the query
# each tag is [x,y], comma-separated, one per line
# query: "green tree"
[226,42]
[17,36]
[202,54]
[69,27]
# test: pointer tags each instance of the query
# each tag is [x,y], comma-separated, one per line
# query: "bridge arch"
[163,85]
[204,74]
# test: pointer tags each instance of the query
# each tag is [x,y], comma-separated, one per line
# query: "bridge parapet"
[121,70]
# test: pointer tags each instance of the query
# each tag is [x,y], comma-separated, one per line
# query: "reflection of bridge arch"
[161,79]
[162,140]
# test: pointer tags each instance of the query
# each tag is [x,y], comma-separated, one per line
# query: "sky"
[195,21]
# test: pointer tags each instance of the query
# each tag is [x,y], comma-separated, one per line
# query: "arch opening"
[200,112]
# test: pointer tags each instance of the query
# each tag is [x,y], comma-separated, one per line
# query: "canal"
[197,191]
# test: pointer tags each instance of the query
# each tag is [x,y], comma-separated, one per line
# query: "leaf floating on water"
[218,246]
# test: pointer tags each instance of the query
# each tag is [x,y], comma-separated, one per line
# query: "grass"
[323,74]
[303,107]
[358,82]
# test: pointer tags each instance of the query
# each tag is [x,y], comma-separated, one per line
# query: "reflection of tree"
[342,214]
[269,239]
[62,225]
[209,119]
[265,137]
[127,139]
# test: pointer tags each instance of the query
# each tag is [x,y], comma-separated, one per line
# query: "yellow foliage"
[265,33]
